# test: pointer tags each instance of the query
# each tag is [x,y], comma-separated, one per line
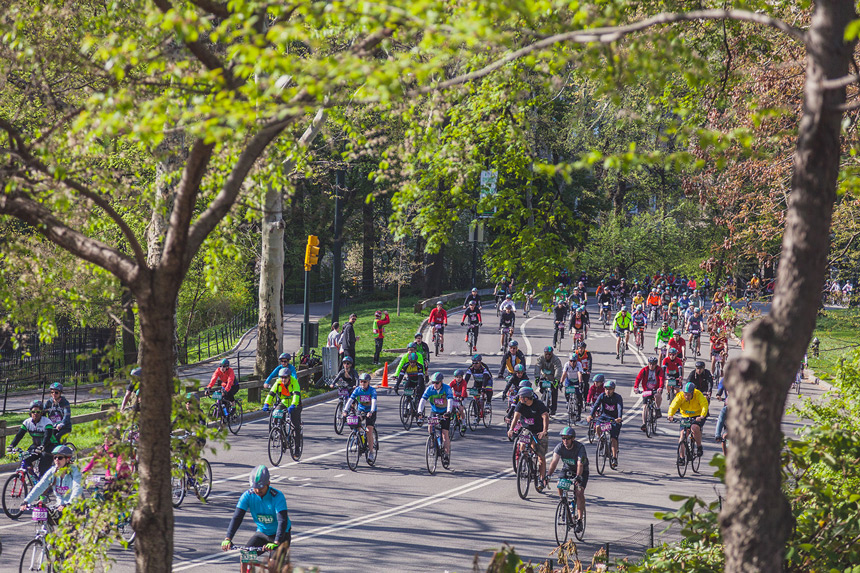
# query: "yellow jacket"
[694,408]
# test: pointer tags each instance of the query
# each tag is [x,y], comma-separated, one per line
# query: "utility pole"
[312,256]
[337,257]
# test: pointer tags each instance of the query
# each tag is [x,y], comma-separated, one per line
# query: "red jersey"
[649,379]
[677,344]
[226,377]
[458,387]
[673,367]
[438,316]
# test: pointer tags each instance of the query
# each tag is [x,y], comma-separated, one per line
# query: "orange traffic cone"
[385,376]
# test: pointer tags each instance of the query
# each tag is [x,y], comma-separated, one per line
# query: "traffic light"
[312,252]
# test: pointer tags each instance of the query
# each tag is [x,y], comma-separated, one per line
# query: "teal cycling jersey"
[439,399]
[265,509]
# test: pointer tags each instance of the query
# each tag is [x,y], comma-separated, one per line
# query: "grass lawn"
[839,333]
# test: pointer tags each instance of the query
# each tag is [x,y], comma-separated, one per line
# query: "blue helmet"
[285,356]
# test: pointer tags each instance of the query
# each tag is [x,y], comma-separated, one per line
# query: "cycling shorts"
[716,351]
[371,418]
[440,330]
[570,473]
[542,444]
[700,424]
[618,331]
[444,422]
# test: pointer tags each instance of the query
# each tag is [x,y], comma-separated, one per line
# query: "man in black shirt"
[574,461]
[559,315]
[473,316]
[609,407]
[702,378]
[506,320]
[535,417]
[473,296]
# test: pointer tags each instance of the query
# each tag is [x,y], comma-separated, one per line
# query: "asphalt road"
[397,517]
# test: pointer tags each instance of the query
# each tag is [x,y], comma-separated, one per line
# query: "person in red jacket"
[678,344]
[379,333]
[227,378]
[438,320]
[673,368]
[595,390]
[651,378]
[458,387]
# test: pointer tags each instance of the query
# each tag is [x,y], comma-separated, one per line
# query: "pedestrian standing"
[348,337]
[333,340]
[379,333]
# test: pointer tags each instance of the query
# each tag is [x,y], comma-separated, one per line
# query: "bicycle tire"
[436,343]
[353,450]
[430,455]
[296,444]
[202,479]
[370,462]
[621,348]
[275,446]
[472,416]
[462,426]
[488,414]
[516,454]
[649,415]
[15,488]
[580,535]
[571,414]
[406,411]
[695,461]
[601,454]
[126,532]
[524,476]
[562,517]
[39,557]
[653,419]
[592,432]
[272,416]
[682,454]
[177,484]
[236,418]
[338,418]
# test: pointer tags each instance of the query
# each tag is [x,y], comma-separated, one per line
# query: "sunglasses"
[61,457]
[565,438]
[35,412]
[55,391]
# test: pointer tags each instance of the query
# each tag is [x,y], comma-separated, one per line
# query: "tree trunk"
[129,344]
[417,279]
[153,518]
[618,195]
[369,239]
[756,518]
[270,327]
[433,277]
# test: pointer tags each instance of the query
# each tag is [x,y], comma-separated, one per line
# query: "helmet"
[348,360]
[64,451]
[602,281]
[285,356]
[673,351]
[225,362]
[477,358]
[513,343]
[137,372]
[548,350]
[665,324]
[700,364]
[559,302]
[598,378]
[419,335]
[474,290]
[519,368]
[567,432]
[697,309]
[508,297]
[609,384]
[458,373]
[640,308]
[438,303]
[525,384]
[560,285]
[364,377]
[259,477]
[572,357]
[411,345]
[36,405]
[653,359]
[472,303]
[639,293]
[437,377]
[413,357]
[581,344]
[378,313]
[57,386]
[689,387]
[525,393]
[579,309]
[623,307]
[284,373]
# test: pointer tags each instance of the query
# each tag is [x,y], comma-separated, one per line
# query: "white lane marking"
[339,475]
[526,338]
[358,521]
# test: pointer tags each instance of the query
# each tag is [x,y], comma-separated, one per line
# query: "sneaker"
[626,346]
[643,427]
[371,456]
[659,414]
[616,356]
[699,451]
[680,461]
[578,527]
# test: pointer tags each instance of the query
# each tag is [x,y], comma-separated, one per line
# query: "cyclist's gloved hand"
[270,546]
[39,450]
[291,409]
[225,545]
[577,479]
[266,407]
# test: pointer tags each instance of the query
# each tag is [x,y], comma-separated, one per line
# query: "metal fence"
[219,339]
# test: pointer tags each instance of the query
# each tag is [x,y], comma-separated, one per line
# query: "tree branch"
[838,83]
[43,220]
[212,7]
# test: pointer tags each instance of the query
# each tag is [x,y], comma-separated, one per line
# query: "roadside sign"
[488,186]
[476,231]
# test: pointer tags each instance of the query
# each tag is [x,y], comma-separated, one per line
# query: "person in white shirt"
[333,340]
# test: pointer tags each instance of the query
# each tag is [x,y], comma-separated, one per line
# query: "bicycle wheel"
[524,476]
[488,415]
[214,413]
[571,412]
[430,455]
[338,418]
[654,419]
[695,460]
[462,426]
[581,533]
[234,421]
[36,557]
[602,454]
[472,416]
[649,418]
[621,348]
[516,454]
[375,449]
[202,476]
[562,516]
[276,446]
[177,483]
[681,462]
[74,449]
[353,450]
[297,443]
[592,433]
[14,491]
[125,530]
[406,411]
[436,344]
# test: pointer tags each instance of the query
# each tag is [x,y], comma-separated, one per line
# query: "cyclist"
[528,300]
[720,430]
[379,323]
[674,309]
[651,378]
[692,404]
[404,360]
[638,300]
[284,360]
[473,297]
[483,377]
[702,378]
[661,339]
[535,417]
[596,389]
[225,376]
[268,508]
[289,394]
[559,315]
[507,320]
[517,376]
[423,349]
[609,406]
[414,372]
[438,320]
[508,303]
[365,398]
[719,349]
[579,323]
[473,316]
[604,299]
[601,288]
[59,411]
[41,431]
[511,358]
[458,387]
[64,478]
[654,301]
[679,344]
[131,389]
[441,400]
[570,376]
[640,321]
[501,290]
[622,324]
[574,461]
[684,302]
[582,292]
[347,374]
[548,364]
[560,292]
[578,297]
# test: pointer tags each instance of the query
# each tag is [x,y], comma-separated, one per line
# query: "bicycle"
[438,337]
[458,421]
[650,407]
[558,335]
[472,338]
[480,410]
[604,446]
[356,444]
[232,419]
[639,337]
[528,465]
[565,512]
[574,412]
[546,389]
[527,306]
[718,366]
[578,336]
[342,396]
[622,346]
[251,558]
[435,446]
[196,476]
[592,431]
[694,343]
[19,483]
[604,314]
[37,549]
[686,453]
[284,436]
[96,486]
[409,407]
[673,386]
